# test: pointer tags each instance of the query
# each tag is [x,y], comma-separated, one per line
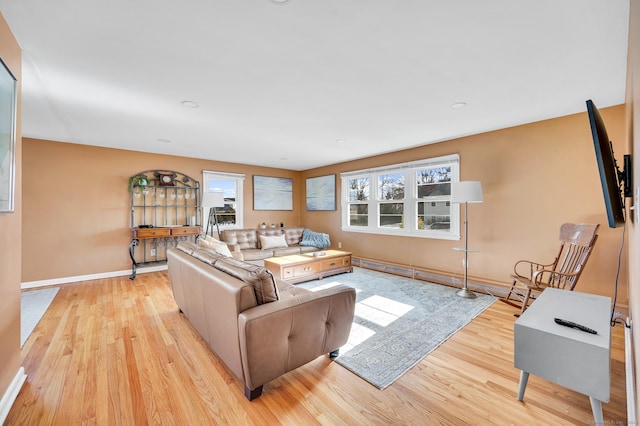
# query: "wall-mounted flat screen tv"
[611,178]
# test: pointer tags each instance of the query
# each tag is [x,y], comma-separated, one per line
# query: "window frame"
[208,175]
[410,201]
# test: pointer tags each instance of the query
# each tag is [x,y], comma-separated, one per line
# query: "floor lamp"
[213,199]
[466,192]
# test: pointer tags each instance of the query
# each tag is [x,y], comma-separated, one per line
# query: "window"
[229,185]
[411,199]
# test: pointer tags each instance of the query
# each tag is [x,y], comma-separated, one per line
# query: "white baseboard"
[66,280]
[11,394]
[630,376]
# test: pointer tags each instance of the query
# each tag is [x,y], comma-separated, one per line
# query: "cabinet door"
[310,268]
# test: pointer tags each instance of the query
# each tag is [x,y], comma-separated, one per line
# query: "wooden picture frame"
[272,193]
[8,102]
[321,193]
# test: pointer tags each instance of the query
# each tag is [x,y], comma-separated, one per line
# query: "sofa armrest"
[281,336]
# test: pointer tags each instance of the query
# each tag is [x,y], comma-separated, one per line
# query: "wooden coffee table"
[297,268]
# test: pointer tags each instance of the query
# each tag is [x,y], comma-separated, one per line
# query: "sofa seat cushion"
[259,277]
[289,291]
[256,254]
[286,251]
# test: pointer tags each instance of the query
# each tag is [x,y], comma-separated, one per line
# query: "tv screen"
[608,168]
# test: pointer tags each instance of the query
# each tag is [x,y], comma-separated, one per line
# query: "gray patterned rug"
[398,321]
[33,305]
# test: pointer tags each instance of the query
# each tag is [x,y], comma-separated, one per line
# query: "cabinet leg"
[524,377]
[596,408]
[134,265]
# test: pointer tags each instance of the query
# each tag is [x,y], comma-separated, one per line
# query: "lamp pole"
[465,292]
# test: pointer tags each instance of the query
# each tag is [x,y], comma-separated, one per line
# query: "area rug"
[34,304]
[398,321]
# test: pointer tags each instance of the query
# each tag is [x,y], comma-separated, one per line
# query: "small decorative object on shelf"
[273,225]
[281,224]
[165,208]
[139,181]
[263,225]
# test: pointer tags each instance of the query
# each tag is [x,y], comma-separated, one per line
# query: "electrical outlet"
[153,252]
[339,244]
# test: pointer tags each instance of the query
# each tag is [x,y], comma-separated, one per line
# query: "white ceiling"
[309,82]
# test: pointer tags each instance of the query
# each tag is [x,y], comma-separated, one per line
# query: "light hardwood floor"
[115,351]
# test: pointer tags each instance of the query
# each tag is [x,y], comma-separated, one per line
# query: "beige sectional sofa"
[258,326]
[249,244]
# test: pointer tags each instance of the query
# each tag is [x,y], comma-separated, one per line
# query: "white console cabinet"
[567,356]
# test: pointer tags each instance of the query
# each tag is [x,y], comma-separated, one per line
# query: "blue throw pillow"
[315,239]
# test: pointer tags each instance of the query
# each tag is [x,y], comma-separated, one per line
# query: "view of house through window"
[229,186]
[411,199]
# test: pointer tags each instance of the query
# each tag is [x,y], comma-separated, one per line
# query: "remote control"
[572,324]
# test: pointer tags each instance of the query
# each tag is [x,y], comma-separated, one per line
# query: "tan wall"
[10,241]
[633,126]
[534,177]
[76,205]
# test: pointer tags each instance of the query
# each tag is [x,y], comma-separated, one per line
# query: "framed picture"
[321,193]
[8,98]
[272,193]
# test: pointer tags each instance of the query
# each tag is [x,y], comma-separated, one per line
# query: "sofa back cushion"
[293,235]
[187,246]
[241,238]
[259,277]
[207,255]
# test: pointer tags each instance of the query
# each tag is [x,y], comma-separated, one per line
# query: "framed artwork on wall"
[8,99]
[321,193]
[272,193]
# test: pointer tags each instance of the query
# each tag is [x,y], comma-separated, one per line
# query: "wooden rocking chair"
[531,278]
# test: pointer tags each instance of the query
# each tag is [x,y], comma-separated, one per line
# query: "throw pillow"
[264,285]
[216,245]
[315,239]
[275,241]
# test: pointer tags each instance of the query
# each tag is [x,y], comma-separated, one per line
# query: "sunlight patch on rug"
[398,321]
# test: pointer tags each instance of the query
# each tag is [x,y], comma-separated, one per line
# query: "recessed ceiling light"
[458,105]
[280,1]
[164,140]
[190,104]
[340,140]
[283,158]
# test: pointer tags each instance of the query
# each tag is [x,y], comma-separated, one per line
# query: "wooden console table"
[159,239]
[567,356]
[298,268]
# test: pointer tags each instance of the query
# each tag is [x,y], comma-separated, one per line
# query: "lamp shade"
[213,199]
[469,191]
